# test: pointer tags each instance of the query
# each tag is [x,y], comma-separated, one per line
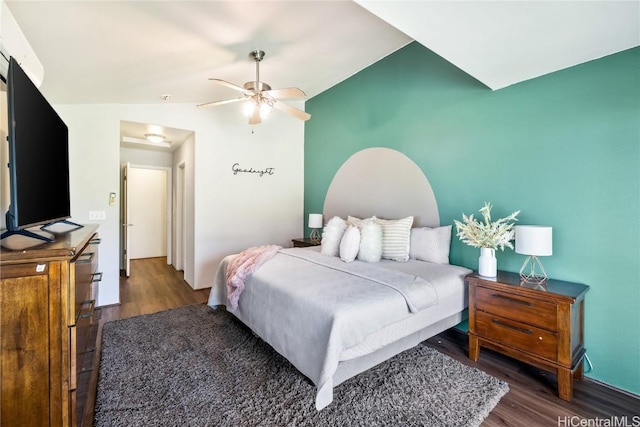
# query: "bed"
[334,319]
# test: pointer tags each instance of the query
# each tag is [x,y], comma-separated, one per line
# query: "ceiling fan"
[259,96]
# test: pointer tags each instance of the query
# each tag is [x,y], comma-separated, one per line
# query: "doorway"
[175,156]
[146,214]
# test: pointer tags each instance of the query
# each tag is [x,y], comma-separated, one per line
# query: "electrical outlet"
[97,215]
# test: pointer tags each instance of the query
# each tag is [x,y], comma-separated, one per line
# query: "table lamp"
[315,224]
[534,241]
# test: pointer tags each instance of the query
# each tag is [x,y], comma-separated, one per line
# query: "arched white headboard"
[382,182]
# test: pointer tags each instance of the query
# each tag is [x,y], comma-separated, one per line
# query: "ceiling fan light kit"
[251,106]
[260,98]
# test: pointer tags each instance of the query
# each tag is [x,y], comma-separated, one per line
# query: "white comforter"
[312,308]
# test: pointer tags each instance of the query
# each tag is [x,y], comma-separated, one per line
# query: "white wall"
[137,156]
[94,172]
[254,210]
[230,212]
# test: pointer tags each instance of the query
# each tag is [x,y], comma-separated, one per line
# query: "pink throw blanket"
[244,264]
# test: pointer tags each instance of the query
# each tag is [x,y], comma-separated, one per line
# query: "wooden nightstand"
[304,242]
[541,326]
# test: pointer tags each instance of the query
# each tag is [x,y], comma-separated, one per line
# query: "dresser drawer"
[536,341]
[527,310]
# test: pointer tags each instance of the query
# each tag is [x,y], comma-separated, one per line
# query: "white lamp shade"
[534,240]
[315,220]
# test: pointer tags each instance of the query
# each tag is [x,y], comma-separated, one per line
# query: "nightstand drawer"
[528,310]
[518,335]
[305,242]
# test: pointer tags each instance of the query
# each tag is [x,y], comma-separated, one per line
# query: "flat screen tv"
[38,158]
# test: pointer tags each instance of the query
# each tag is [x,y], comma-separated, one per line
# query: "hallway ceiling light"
[154,137]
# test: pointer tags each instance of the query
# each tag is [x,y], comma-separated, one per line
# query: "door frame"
[180,217]
[126,244]
[125,247]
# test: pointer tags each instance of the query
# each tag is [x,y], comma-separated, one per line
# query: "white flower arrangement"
[487,234]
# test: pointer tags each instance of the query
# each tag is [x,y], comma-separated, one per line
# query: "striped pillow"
[396,238]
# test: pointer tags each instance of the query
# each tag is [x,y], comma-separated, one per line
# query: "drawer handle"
[515,328]
[96,277]
[513,300]
[88,313]
[95,241]
[85,258]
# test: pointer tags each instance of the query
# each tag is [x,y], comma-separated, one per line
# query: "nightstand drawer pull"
[513,300]
[515,328]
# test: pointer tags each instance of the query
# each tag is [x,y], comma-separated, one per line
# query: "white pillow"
[431,244]
[396,238]
[331,236]
[370,240]
[350,244]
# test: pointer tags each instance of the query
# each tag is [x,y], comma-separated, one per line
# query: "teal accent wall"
[563,148]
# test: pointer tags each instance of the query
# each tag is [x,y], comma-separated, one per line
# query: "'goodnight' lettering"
[261,172]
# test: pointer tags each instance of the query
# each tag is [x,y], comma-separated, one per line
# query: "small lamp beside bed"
[534,241]
[315,224]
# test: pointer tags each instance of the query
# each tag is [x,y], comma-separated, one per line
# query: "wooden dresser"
[540,325]
[45,315]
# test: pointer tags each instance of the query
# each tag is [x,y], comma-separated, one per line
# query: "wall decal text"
[261,172]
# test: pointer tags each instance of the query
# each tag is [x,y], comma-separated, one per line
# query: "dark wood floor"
[153,286]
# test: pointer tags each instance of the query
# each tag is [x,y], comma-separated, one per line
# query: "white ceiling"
[137,51]
[501,43]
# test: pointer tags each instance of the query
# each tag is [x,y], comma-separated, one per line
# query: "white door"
[147,205]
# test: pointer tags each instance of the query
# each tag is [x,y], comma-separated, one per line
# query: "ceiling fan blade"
[225,101]
[302,115]
[255,117]
[230,85]
[287,93]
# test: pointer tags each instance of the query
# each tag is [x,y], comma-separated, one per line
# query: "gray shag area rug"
[195,366]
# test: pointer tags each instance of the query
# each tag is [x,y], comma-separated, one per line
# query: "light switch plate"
[97,215]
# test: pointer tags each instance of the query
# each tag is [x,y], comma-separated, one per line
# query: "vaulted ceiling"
[138,51]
